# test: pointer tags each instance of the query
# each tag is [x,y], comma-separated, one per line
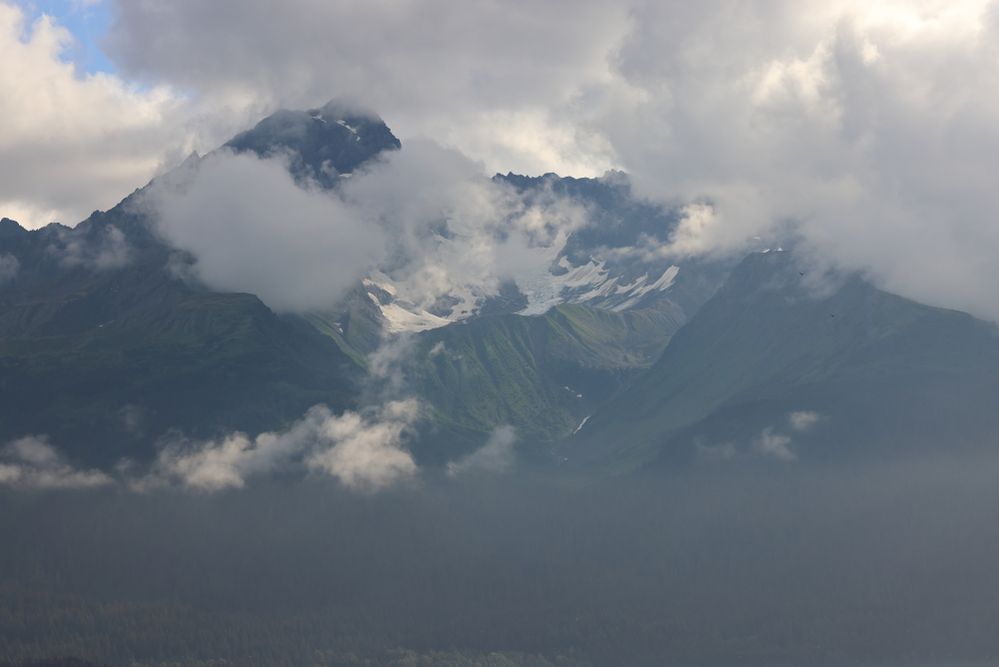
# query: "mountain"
[554,342]
[777,365]
[609,263]
[105,358]
[104,348]
[606,355]
[541,374]
[322,145]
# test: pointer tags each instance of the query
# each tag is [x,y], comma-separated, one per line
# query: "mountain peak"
[10,227]
[322,144]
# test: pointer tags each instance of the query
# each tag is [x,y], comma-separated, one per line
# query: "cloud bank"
[866,127]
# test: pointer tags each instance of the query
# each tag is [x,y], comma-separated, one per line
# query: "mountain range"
[605,359]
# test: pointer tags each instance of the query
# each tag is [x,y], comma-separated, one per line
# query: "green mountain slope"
[880,373]
[105,349]
[541,374]
[105,361]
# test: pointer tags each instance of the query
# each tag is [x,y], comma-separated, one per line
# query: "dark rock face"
[322,145]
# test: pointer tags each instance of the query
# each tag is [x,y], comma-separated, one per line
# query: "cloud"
[9,266]
[488,76]
[368,451]
[32,463]
[496,456]
[452,230]
[387,366]
[72,143]
[110,250]
[251,228]
[803,420]
[867,128]
[426,217]
[772,444]
[364,450]
[866,125]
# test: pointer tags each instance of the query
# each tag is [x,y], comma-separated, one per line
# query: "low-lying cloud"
[32,463]
[771,444]
[498,455]
[364,450]
[777,442]
[367,451]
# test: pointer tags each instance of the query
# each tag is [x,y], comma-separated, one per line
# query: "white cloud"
[251,228]
[70,144]
[497,455]
[427,216]
[364,450]
[368,451]
[870,124]
[32,463]
[452,230]
[489,76]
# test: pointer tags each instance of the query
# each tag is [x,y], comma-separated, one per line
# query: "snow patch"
[343,123]
[399,319]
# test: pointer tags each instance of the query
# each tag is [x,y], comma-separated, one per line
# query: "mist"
[751,565]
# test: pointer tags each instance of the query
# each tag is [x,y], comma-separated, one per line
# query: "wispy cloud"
[772,444]
[803,420]
[498,455]
[32,463]
[108,249]
[9,266]
[777,443]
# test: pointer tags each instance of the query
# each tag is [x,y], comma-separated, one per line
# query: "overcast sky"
[870,124]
